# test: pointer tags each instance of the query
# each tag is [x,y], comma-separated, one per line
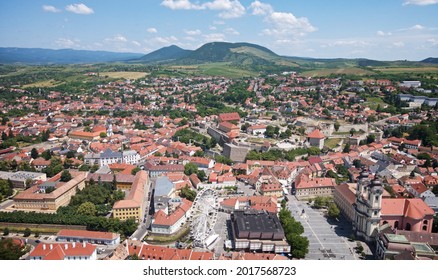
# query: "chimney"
[74,245]
[51,246]
[66,246]
[44,246]
[84,244]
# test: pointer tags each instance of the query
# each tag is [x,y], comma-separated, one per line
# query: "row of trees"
[91,222]
[293,230]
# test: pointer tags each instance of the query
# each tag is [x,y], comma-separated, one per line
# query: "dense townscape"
[170,167]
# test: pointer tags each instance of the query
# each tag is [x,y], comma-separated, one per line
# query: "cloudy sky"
[375,29]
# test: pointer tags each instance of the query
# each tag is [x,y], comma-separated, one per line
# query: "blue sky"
[375,29]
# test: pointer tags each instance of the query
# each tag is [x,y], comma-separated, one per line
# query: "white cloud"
[433,41]
[347,43]
[152,30]
[193,32]
[162,41]
[283,25]
[258,8]
[67,43]
[231,31]
[417,27]
[136,43]
[117,39]
[383,34]
[180,5]
[81,9]
[214,37]
[212,27]
[228,8]
[219,22]
[398,44]
[420,2]
[189,38]
[51,9]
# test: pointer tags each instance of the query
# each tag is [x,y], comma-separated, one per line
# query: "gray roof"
[108,153]
[163,186]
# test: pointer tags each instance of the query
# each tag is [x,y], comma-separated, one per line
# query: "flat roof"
[396,238]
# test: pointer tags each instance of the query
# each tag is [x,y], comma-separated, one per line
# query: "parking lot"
[327,240]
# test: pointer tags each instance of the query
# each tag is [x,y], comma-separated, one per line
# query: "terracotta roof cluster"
[152,252]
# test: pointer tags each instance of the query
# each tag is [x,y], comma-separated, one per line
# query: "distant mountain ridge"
[241,55]
[431,60]
[62,56]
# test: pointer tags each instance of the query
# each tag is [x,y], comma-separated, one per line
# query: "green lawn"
[373,102]
[332,142]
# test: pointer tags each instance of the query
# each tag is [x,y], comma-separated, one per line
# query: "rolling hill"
[165,54]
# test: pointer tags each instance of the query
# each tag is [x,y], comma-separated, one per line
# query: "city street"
[327,240]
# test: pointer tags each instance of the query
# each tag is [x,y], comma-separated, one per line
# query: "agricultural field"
[337,71]
[398,70]
[42,84]
[124,75]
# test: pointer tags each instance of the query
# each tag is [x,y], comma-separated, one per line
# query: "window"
[408,226]
[396,224]
[377,198]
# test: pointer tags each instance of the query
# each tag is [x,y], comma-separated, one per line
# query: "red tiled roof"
[316,134]
[59,251]
[414,208]
[87,234]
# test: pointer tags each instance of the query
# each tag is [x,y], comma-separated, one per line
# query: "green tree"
[337,126]
[333,211]
[47,155]
[87,208]
[299,244]
[346,148]
[371,138]
[34,153]
[9,250]
[27,232]
[65,176]
[135,170]
[319,202]
[357,163]
[70,154]
[188,193]
[5,231]
[190,168]
[103,135]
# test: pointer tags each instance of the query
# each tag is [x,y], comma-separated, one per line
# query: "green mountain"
[63,56]
[165,54]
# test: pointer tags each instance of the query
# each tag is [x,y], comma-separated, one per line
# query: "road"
[6,204]
[327,240]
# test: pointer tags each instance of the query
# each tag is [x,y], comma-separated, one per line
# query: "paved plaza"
[327,240]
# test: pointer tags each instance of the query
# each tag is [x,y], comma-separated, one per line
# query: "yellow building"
[35,197]
[132,205]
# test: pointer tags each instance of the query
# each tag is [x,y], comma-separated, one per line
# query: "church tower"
[367,207]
